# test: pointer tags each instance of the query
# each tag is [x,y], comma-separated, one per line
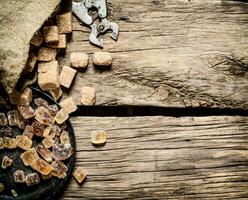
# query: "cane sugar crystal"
[32,179]
[29,157]
[9,143]
[23,142]
[79,174]
[6,162]
[3,119]
[61,116]
[42,166]
[19,176]
[45,153]
[26,97]
[13,117]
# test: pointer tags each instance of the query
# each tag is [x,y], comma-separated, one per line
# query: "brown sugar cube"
[88,96]
[31,62]
[68,105]
[98,137]
[26,97]
[102,59]
[56,93]
[46,54]
[29,157]
[9,143]
[61,116]
[37,39]
[79,60]
[48,75]
[79,174]
[42,166]
[66,76]
[51,34]
[64,22]
[23,142]
[61,44]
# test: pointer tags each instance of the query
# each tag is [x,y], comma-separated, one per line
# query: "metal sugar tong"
[81,10]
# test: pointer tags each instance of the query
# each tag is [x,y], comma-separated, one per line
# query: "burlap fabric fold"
[19,20]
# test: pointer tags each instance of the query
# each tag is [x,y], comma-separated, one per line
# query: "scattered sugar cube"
[68,105]
[61,44]
[32,179]
[88,96]
[48,75]
[3,119]
[66,76]
[26,97]
[37,39]
[19,176]
[102,59]
[29,157]
[98,137]
[46,54]
[13,117]
[9,143]
[64,22]
[56,93]
[42,166]
[26,112]
[79,174]
[79,60]
[61,116]
[31,62]
[51,34]
[24,142]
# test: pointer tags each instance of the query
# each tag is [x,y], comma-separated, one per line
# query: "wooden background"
[170,53]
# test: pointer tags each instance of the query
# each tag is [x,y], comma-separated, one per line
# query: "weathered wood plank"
[170,53]
[163,158]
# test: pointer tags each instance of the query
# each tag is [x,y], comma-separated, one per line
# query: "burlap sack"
[19,20]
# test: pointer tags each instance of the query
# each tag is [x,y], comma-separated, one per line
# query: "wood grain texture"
[173,53]
[163,158]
